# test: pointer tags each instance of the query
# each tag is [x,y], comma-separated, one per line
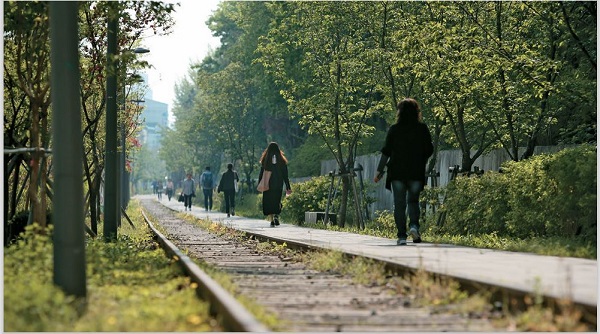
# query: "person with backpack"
[227,185]
[208,184]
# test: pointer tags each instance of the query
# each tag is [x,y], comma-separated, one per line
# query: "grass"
[131,286]
[383,226]
[552,246]
[250,206]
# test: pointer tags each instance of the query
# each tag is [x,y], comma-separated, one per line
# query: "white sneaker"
[401,242]
[415,235]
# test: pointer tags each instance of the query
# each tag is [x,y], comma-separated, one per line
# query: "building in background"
[155,118]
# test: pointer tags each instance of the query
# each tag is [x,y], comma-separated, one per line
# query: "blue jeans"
[406,194]
[208,200]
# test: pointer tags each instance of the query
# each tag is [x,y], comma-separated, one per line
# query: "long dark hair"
[408,111]
[272,149]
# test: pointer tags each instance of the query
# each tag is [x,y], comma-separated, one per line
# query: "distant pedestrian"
[154,187]
[188,191]
[274,167]
[227,185]
[407,147]
[170,189]
[208,184]
[159,189]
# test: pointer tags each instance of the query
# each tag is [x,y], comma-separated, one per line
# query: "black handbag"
[180,198]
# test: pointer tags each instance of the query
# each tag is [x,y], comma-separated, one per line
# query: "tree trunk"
[92,203]
[343,212]
[45,139]
[35,163]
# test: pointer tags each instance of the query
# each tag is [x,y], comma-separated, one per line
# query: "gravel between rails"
[303,299]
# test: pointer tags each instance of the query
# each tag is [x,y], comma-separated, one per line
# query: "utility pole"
[111,206]
[69,233]
[124,174]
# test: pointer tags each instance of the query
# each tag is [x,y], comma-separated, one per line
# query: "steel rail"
[231,314]
[471,286]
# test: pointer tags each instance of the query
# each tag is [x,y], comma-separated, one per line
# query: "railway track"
[302,299]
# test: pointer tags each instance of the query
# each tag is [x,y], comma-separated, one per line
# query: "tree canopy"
[320,78]
[488,74]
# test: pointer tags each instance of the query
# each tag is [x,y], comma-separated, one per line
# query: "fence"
[445,159]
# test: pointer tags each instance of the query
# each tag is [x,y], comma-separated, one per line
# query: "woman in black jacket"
[274,161]
[406,151]
[227,185]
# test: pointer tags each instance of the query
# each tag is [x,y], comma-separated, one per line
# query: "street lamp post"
[112,212]
[124,174]
[128,176]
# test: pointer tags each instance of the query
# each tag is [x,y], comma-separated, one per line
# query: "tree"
[327,77]
[26,60]
[135,19]
[28,107]
[230,105]
[233,118]
[184,148]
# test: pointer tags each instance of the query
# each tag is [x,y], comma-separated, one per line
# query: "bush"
[31,301]
[309,195]
[555,192]
[475,206]
[124,279]
[543,196]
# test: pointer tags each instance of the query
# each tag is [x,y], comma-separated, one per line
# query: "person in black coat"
[227,185]
[405,152]
[274,161]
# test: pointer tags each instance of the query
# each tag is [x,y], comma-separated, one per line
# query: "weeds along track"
[306,300]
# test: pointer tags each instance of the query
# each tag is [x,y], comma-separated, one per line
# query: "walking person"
[170,189]
[159,190]
[208,184]
[188,191]
[274,167]
[227,185]
[406,151]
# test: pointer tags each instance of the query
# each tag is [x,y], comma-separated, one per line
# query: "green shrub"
[543,196]
[529,193]
[31,301]
[309,195]
[575,172]
[476,205]
[555,193]
[124,279]
[383,225]
[249,206]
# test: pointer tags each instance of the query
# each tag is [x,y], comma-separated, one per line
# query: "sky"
[171,55]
